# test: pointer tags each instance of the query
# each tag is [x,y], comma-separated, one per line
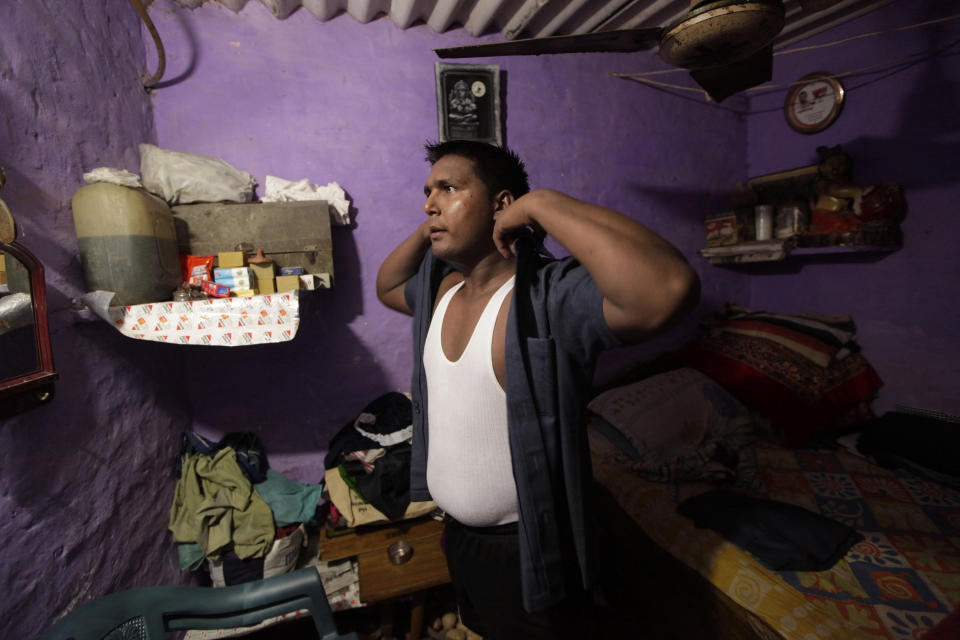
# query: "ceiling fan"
[726,45]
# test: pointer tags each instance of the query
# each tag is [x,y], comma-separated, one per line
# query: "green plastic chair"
[149,613]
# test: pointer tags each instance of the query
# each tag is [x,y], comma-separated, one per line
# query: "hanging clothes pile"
[231,509]
[215,506]
[368,464]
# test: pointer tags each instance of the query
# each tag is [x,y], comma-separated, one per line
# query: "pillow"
[801,398]
[678,426]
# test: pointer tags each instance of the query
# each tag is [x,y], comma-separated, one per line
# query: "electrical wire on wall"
[896,65]
[150,81]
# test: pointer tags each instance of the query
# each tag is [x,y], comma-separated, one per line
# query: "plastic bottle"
[128,243]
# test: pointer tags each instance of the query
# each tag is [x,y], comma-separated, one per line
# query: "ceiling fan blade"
[619,41]
[723,81]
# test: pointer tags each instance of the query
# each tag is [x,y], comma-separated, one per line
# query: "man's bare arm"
[400,266]
[645,281]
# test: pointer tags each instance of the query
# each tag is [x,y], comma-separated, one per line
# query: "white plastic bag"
[180,178]
[121,177]
[281,558]
[281,190]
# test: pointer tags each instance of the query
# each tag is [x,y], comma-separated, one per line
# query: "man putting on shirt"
[505,342]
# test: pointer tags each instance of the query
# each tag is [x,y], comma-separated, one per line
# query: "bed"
[669,436]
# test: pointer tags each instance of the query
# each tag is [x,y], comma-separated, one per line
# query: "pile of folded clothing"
[804,372]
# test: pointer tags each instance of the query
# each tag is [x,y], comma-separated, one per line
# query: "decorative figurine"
[839,205]
[834,186]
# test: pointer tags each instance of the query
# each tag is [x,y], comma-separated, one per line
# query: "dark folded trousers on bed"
[784,537]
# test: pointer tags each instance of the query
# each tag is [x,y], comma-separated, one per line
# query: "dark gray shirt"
[555,331]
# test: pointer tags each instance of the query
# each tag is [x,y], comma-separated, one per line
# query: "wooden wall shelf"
[780,249]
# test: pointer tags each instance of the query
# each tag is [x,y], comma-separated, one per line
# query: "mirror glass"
[18,341]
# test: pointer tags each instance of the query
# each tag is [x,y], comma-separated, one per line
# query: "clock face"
[813,103]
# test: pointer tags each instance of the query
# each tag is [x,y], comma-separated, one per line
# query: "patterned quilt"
[899,582]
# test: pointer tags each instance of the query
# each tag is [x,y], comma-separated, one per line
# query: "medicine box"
[214,289]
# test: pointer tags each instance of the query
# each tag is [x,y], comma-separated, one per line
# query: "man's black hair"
[498,168]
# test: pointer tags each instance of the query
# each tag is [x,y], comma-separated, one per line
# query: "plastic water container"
[128,243]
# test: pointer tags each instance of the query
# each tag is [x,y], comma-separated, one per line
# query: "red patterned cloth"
[799,396]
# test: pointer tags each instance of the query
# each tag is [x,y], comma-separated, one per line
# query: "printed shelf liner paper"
[222,322]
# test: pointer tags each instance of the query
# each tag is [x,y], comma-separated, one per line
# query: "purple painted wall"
[85,482]
[899,127]
[354,103]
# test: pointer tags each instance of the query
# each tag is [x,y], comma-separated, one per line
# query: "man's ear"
[502,200]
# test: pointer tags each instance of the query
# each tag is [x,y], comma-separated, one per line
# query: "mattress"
[902,579]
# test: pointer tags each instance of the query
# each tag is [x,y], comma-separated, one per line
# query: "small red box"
[214,289]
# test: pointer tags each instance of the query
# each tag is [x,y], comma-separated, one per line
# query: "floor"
[384,621]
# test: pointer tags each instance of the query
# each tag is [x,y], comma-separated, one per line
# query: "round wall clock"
[813,102]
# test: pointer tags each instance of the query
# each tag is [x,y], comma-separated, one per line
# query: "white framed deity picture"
[468,102]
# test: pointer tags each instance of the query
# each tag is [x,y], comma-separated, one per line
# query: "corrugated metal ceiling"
[537,18]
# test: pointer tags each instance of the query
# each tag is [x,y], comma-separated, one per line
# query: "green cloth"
[351,482]
[292,502]
[215,506]
[190,555]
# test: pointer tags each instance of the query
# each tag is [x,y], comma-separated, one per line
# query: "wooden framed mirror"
[26,359]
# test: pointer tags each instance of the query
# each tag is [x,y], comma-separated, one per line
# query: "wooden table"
[380,579]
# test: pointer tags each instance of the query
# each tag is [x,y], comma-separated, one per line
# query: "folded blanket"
[784,537]
[820,338]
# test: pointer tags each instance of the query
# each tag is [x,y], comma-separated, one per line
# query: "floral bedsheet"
[898,583]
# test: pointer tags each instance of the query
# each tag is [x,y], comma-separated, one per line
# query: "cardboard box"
[266,285]
[263,276]
[287,283]
[721,229]
[263,269]
[729,227]
[230,259]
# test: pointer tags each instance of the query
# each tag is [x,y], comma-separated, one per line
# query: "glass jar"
[792,219]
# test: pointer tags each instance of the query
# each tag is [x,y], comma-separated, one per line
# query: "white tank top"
[469,470]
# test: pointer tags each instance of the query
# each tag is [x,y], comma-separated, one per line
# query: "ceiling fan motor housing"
[713,34]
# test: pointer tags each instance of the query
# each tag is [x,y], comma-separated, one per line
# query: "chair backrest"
[148,613]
